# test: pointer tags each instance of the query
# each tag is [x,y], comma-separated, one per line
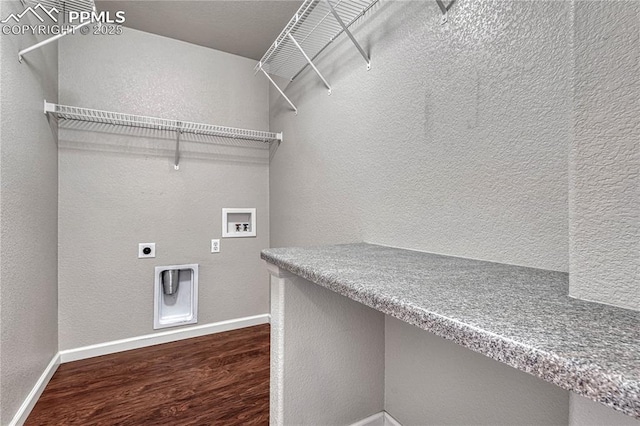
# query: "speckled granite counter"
[516,315]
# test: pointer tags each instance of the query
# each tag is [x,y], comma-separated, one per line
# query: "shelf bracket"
[176,162]
[445,10]
[346,30]
[49,107]
[279,90]
[310,62]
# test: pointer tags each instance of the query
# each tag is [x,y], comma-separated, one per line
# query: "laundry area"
[320,212]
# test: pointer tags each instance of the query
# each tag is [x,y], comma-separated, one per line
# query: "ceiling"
[242,27]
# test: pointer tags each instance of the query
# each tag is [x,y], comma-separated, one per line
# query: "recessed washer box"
[238,223]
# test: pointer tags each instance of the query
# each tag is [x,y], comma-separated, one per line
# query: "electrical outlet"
[215,246]
[146,250]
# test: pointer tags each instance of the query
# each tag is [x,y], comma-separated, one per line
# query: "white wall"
[605,154]
[28,217]
[455,142]
[118,187]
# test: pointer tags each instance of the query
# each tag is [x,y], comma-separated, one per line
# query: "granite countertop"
[520,316]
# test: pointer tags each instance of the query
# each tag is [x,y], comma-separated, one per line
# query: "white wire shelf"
[119,119]
[314,27]
[316,24]
[59,10]
[66,112]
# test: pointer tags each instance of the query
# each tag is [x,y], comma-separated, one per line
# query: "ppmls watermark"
[52,22]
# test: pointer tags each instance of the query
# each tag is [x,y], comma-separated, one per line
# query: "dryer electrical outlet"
[146,250]
[238,223]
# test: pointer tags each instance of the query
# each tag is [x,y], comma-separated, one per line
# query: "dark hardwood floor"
[220,379]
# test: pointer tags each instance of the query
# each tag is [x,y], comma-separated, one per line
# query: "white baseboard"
[30,402]
[159,338]
[390,421]
[374,420]
[379,419]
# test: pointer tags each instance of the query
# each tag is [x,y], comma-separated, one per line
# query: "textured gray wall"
[462,387]
[332,355]
[28,217]
[455,142]
[118,187]
[605,154]
[585,412]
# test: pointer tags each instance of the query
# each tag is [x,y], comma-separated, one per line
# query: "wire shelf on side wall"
[314,27]
[316,24]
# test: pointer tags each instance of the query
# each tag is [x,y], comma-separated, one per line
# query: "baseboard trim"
[379,419]
[390,421]
[31,399]
[373,420]
[159,338]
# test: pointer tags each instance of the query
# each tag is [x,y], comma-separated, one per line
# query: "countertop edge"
[588,380]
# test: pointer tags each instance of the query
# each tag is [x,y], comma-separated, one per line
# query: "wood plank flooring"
[219,379]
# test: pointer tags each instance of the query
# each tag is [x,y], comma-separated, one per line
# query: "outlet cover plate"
[215,246]
[146,250]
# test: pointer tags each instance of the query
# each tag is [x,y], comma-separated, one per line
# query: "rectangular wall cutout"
[237,223]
